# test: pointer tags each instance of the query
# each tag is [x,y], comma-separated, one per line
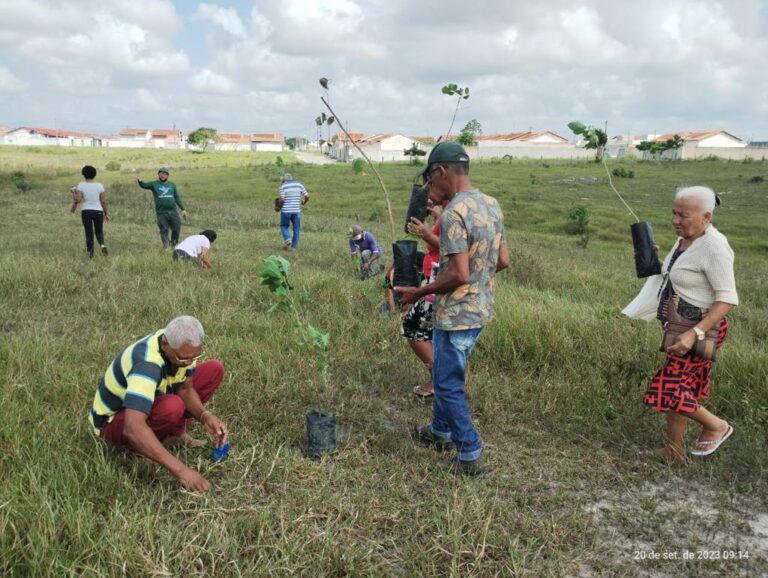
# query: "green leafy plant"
[358,166]
[623,173]
[460,94]
[275,275]
[594,138]
[578,224]
[19,180]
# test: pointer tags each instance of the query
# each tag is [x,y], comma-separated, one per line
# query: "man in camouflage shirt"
[473,248]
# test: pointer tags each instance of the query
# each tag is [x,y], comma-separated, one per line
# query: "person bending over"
[152,390]
[196,248]
[363,246]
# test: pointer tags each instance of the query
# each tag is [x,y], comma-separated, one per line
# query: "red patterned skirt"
[682,381]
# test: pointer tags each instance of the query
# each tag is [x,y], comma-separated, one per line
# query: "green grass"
[555,384]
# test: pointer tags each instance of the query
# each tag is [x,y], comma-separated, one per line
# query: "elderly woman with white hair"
[698,288]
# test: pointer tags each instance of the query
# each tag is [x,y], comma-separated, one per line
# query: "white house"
[233,141]
[517,139]
[171,138]
[36,136]
[135,137]
[706,139]
[341,147]
[377,147]
[267,142]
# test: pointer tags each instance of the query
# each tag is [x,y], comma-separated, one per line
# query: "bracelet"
[200,419]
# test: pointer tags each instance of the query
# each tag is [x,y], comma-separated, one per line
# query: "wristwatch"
[699,333]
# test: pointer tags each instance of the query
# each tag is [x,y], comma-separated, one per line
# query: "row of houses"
[546,144]
[385,147]
[157,138]
[392,147]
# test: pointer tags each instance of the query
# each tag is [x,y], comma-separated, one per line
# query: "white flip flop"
[713,443]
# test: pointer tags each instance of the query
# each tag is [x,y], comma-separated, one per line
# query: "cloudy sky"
[642,67]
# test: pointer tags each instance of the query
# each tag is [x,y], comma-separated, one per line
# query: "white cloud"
[225,18]
[149,102]
[9,82]
[208,82]
[645,66]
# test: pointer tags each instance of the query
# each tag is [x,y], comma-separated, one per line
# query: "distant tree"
[460,94]
[658,147]
[203,137]
[414,152]
[291,142]
[594,138]
[469,132]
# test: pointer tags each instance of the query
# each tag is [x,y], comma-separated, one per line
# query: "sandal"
[711,445]
[422,391]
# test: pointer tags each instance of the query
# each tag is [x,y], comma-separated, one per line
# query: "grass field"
[555,384]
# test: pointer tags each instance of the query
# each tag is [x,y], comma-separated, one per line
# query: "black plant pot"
[321,434]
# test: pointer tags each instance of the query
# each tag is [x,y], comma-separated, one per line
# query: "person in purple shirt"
[363,246]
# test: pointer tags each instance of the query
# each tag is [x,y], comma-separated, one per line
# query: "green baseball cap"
[445,152]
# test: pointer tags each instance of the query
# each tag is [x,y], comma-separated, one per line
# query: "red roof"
[356,136]
[267,137]
[525,136]
[233,137]
[164,132]
[60,132]
[374,138]
[695,135]
[133,131]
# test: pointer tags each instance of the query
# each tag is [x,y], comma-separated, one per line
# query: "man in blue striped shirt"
[292,196]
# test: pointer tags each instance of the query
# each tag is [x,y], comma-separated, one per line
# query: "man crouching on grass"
[153,389]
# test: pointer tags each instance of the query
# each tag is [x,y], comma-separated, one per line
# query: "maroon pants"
[168,416]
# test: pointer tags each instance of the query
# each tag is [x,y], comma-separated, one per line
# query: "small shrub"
[756,179]
[358,165]
[279,162]
[578,224]
[112,166]
[19,180]
[623,173]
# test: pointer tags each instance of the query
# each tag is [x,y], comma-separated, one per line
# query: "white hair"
[184,330]
[705,195]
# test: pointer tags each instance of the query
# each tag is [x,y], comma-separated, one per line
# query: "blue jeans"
[294,219]
[451,419]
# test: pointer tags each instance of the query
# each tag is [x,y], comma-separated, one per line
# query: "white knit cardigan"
[703,274]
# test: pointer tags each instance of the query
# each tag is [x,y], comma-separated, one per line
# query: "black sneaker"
[464,468]
[104,251]
[425,436]
[90,254]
